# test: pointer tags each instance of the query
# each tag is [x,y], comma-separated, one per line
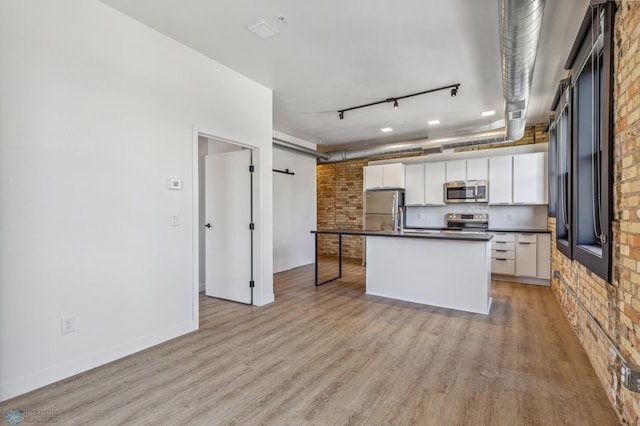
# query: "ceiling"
[331,55]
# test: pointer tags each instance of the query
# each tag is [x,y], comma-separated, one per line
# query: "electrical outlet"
[509,217]
[68,324]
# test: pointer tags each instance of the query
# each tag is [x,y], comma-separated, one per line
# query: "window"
[561,144]
[585,194]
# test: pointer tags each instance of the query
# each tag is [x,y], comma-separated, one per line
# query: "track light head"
[395,104]
[341,115]
[454,92]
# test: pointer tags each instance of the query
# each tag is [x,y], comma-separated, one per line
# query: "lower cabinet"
[523,256]
[526,255]
[503,254]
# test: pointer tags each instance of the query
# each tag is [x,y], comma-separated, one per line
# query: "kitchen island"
[449,270]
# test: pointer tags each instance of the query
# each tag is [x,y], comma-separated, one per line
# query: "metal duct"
[402,148]
[520,23]
[299,149]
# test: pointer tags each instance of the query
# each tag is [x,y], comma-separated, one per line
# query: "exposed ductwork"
[520,23]
[299,149]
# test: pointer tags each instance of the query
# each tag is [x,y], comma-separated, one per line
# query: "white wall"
[96,112]
[294,206]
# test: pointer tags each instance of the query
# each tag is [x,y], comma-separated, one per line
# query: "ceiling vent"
[263,30]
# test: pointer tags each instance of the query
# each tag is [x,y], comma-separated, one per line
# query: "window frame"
[564,200]
[580,55]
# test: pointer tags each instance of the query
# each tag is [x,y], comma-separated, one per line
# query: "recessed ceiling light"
[432,122]
[386,129]
[488,113]
[263,30]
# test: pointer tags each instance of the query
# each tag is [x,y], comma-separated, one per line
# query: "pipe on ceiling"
[280,143]
[520,23]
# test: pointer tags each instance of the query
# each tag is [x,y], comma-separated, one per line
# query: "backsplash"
[512,217]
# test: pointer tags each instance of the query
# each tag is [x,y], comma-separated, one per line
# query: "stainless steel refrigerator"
[381,209]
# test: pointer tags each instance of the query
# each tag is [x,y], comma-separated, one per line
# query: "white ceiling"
[335,54]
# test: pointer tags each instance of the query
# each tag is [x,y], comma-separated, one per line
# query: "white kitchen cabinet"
[477,169]
[526,255]
[434,179]
[500,179]
[414,194]
[471,169]
[372,177]
[384,176]
[503,254]
[456,170]
[543,257]
[530,178]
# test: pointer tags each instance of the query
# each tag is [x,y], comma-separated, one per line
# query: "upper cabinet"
[477,169]
[414,178]
[384,176]
[425,184]
[511,179]
[500,179]
[456,170]
[518,179]
[434,178]
[530,178]
[472,169]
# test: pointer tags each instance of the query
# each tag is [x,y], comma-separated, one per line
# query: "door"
[228,238]
[282,221]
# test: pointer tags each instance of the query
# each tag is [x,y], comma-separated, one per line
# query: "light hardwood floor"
[333,355]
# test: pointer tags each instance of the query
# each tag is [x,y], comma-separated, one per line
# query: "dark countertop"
[435,234]
[520,231]
[510,230]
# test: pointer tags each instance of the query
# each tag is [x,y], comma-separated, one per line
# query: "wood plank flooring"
[333,356]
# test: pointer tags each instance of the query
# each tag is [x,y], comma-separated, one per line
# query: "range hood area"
[520,23]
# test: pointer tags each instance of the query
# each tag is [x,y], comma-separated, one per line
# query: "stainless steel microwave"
[471,191]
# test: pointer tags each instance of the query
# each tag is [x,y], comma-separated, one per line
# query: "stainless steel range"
[466,222]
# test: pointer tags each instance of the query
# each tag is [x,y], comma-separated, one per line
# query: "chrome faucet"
[400,219]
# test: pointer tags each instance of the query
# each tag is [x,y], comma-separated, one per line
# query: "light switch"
[174,183]
[174,220]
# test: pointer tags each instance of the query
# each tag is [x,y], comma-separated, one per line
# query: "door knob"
[208,225]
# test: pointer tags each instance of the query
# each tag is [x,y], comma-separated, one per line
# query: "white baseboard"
[265,300]
[58,372]
[521,280]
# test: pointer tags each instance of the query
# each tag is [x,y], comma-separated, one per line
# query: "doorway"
[224,217]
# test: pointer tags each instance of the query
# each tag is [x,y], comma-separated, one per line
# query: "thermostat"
[175,183]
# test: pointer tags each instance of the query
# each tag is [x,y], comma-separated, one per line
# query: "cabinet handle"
[504,260]
[500,242]
[524,243]
[502,251]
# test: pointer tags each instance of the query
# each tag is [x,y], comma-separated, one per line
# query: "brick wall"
[615,305]
[340,189]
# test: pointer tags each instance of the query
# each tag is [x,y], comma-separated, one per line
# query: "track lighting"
[454,91]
